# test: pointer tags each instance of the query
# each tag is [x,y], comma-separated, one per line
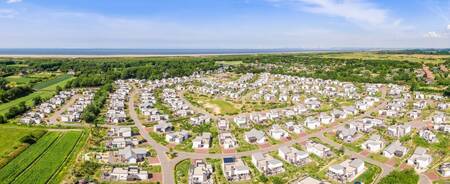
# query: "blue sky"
[224,23]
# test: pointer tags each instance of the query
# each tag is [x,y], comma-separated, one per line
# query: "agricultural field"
[420,58]
[43,160]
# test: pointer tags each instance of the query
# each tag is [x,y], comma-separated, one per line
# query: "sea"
[106,52]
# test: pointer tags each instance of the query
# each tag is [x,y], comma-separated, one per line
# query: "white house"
[227,140]
[347,170]
[420,159]
[266,164]
[399,130]
[128,174]
[444,169]
[395,149]
[312,123]
[255,136]
[277,132]
[177,137]
[201,173]
[318,149]
[428,135]
[235,170]
[373,144]
[293,155]
[202,141]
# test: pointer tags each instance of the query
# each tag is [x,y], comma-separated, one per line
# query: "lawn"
[225,107]
[26,158]
[182,171]
[10,139]
[369,175]
[45,93]
[19,80]
[50,162]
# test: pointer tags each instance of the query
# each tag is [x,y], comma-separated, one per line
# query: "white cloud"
[432,34]
[448,27]
[13,1]
[7,13]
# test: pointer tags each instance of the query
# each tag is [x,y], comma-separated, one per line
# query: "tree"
[58,89]
[37,100]
[447,92]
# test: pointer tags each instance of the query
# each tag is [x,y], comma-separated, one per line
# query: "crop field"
[50,82]
[26,158]
[50,162]
[45,93]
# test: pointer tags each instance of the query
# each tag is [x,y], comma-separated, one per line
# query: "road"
[168,165]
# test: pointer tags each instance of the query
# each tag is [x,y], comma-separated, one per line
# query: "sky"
[225,24]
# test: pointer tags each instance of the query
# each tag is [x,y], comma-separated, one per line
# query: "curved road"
[168,165]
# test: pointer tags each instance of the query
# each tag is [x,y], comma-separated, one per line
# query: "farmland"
[46,157]
[50,82]
[10,137]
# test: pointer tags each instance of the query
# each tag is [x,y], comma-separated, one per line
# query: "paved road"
[168,165]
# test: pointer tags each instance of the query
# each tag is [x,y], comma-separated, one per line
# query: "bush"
[405,177]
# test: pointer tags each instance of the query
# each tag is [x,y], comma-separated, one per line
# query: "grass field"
[10,139]
[47,83]
[45,93]
[370,174]
[400,57]
[9,172]
[225,107]
[181,171]
[19,80]
[50,162]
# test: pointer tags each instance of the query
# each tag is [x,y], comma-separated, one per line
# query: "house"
[120,132]
[227,140]
[202,141]
[277,132]
[395,149]
[309,180]
[118,143]
[130,173]
[312,123]
[291,126]
[338,114]
[293,155]
[132,155]
[318,149]
[439,118]
[241,121]
[420,159]
[373,144]
[399,130]
[201,173]
[428,135]
[266,164]
[163,127]
[235,170]
[346,134]
[223,125]
[442,106]
[444,169]
[177,137]
[325,118]
[347,170]
[255,136]
[414,114]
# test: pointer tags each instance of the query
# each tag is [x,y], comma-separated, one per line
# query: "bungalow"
[312,123]
[414,114]
[235,170]
[293,155]
[420,104]
[338,114]
[227,140]
[277,132]
[291,126]
[395,149]
[443,106]
[318,149]
[266,164]
[132,155]
[374,144]
[120,132]
[163,127]
[241,121]
[347,170]
[346,134]
[177,137]
[129,173]
[428,135]
[255,136]
[325,118]
[399,130]
[202,141]
[439,118]
[201,173]
[444,169]
[420,159]
[223,125]
[309,180]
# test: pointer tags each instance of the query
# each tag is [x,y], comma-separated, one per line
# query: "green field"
[45,93]
[9,172]
[370,174]
[181,171]
[50,82]
[50,162]
[225,107]
[19,80]
[10,139]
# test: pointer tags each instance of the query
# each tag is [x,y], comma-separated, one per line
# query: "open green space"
[50,82]
[182,171]
[11,138]
[405,177]
[51,161]
[370,174]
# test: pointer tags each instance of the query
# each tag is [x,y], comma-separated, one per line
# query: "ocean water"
[143,51]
